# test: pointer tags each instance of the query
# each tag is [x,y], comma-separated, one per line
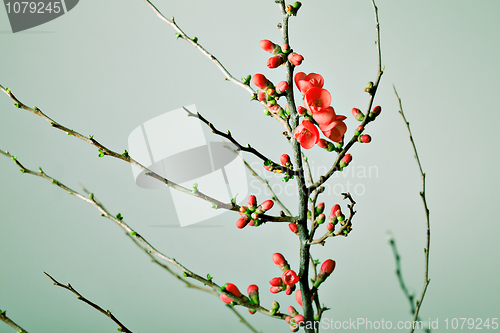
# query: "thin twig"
[118,219]
[8,321]
[347,226]
[127,158]
[194,41]
[107,313]
[422,195]
[248,148]
[263,181]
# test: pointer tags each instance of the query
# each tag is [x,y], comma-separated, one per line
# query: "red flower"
[317,99]
[306,134]
[290,277]
[260,81]
[325,116]
[295,58]
[305,82]
[336,130]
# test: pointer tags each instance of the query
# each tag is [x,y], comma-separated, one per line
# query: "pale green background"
[108,66]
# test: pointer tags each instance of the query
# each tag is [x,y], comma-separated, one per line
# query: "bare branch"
[107,313]
[8,321]
[194,41]
[150,249]
[422,195]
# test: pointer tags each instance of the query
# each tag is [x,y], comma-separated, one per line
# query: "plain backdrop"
[106,67]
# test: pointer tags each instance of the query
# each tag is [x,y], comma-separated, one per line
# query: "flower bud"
[255,216]
[365,138]
[281,87]
[242,222]
[279,260]
[260,81]
[301,110]
[294,327]
[231,288]
[345,160]
[289,290]
[243,210]
[320,208]
[358,114]
[276,282]
[288,8]
[298,297]
[296,5]
[285,159]
[326,269]
[276,289]
[295,58]
[375,112]
[267,45]
[266,205]
[287,319]
[252,311]
[285,47]
[359,130]
[320,219]
[275,305]
[289,277]
[253,293]
[252,201]
[299,318]
[330,227]
[274,62]
[293,228]
[336,211]
[322,143]
[251,223]
[369,87]
[292,311]
[261,95]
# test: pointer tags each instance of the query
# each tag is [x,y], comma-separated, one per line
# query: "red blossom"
[305,82]
[335,130]
[306,134]
[325,117]
[290,278]
[317,99]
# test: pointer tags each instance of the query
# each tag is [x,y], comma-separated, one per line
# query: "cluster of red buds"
[294,319]
[335,217]
[280,54]
[250,215]
[286,162]
[287,280]
[252,290]
[270,94]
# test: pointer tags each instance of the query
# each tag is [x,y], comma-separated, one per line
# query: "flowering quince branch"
[8,321]
[424,200]
[265,182]
[194,41]
[107,313]
[248,148]
[104,151]
[151,250]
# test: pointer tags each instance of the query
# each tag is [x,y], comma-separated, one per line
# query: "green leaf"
[7,90]
[209,277]
[133,233]
[14,158]
[195,39]
[178,35]
[214,206]
[119,216]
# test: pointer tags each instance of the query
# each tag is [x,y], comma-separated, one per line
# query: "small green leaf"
[383,68]
[214,206]
[184,274]
[17,105]
[91,137]
[69,133]
[125,154]
[7,90]
[178,35]
[35,108]
[22,170]
[209,277]
[40,169]
[119,216]
[268,163]
[91,196]
[14,158]
[133,233]
[195,188]
[54,181]
[195,39]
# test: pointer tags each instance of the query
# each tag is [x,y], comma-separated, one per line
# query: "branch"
[194,41]
[422,195]
[373,91]
[150,249]
[8,321]
[126,157]
[248,148]
[264,181]
[345,228]
[92,304]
